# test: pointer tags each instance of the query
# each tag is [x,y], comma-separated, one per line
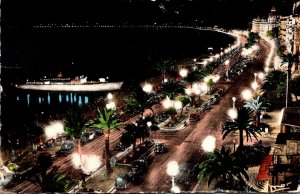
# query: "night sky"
[225,13]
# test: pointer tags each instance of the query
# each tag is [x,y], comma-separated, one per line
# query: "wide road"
[185,145]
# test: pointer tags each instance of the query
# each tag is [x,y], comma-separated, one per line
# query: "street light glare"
[227,62]
[172,168]
[254,85]
[261,75]
[177,105]
[110,96]
[167,103]
[247,94]
[209,144]
[183,72]
[175,189]
[149,123]
[232,113]
[54,129]
[111,105]
[147,88]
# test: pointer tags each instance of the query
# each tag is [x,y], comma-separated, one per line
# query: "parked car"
[122,181]
[160,148]
[229,124]
[87,136]
[66,148]
[194,117]
[138,166]
[99,131]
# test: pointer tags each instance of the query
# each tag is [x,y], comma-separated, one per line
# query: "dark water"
[120,54]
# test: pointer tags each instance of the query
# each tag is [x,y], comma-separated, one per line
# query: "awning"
[263,173]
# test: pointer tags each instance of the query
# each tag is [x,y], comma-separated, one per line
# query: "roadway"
[184,146]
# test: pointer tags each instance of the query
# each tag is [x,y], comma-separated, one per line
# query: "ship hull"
[73,87]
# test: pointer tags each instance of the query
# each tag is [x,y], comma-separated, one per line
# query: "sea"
[118,54]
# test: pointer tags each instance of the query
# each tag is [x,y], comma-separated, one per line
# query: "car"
[99,131]
[66,148]
[229,125]
[263,127]
[160,148]
[194,117]
[122,181]
[139,166]
[87,137]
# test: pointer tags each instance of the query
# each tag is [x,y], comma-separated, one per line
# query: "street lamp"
[247,94]
[149,123]
[173,170]
[183,72]
[255,75]
[232,113]
[111,105]
[147,88]
[177,105]
[167,103]
[261,75]
[209,143]
[110,96]
[227,67]
[233,102]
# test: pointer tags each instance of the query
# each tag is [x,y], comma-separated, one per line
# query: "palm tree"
[75,126]
[242,123]
[289,59]
[164,67]
[256,105]
[172,89]
[107,122]
[273,83]
[139,101]
[192,77]
[127,139]
[222,164]
[51,181]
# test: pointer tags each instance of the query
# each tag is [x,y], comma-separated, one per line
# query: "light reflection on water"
[39,99]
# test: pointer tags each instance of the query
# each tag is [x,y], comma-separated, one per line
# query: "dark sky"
[231,13]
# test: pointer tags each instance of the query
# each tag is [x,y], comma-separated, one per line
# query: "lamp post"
[173,170]
[233,102]
[287,89]
[227,68]
[233,145]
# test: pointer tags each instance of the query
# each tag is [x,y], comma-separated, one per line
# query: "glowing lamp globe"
[147,88]
[232,113]
[209,144]
[183,72]
[172,168]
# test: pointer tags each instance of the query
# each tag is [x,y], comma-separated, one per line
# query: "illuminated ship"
[79,84]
